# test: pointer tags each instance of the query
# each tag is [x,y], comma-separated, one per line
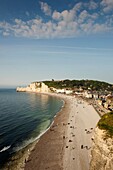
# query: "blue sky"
[44,40]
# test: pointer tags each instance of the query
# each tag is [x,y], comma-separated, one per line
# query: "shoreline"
[51,139]
[59,147]
[19,158]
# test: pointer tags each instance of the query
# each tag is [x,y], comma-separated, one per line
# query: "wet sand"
[67,144]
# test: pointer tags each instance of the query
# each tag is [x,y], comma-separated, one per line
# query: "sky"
[54,39]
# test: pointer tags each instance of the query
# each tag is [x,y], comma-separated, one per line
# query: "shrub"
[106,123]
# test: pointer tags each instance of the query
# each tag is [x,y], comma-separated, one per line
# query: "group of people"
[82,147]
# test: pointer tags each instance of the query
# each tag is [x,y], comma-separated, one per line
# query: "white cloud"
[18,21]
[65,15]
[92,5]
[107,5]
[84,16]
[68,23]
[5,34]
[56,15]
[78,6]
[101,28]
[46,8]
[90,28]
[86,27]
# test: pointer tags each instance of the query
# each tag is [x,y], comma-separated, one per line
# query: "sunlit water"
[23,117]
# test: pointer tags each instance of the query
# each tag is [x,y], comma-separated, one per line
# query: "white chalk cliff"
[102,151]
[38,87]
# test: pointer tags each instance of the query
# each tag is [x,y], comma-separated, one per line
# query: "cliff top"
[85,84]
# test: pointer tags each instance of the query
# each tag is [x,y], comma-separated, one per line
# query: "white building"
[88,95]
[68,91]
[60,90]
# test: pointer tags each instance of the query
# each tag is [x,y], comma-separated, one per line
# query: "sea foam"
[5,148]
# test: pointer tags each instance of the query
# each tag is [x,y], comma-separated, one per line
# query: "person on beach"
[81,146]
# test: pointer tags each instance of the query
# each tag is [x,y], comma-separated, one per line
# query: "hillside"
[84,84]
[106,123]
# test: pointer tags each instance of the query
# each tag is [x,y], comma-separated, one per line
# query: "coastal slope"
[102,151]
[67,144]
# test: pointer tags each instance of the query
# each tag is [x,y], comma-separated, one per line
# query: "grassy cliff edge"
[106,123]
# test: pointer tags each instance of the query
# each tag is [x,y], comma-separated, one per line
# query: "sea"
[23,118]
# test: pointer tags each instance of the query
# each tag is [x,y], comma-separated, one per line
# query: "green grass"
[85,84]
[106,123]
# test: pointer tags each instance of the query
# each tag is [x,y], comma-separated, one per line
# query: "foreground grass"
[106,123]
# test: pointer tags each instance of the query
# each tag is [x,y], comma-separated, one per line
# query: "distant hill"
[84,84]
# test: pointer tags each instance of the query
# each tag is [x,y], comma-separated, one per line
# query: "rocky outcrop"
[21,89]
[102,151]
[38,87]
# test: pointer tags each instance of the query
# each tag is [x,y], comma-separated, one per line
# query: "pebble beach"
[67,144]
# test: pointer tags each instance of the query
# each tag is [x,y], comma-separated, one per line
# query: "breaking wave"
[5,148]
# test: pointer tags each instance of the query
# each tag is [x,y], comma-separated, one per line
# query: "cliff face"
[38,87]
[102,151]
